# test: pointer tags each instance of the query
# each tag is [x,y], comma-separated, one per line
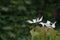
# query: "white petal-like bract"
[53,25]
[37,20]
[48,24]
[34,20]
[29,21]
[40,19]
[42,23]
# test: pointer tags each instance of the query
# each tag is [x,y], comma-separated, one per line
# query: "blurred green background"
[15,13]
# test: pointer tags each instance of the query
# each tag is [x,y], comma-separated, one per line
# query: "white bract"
[35,20]
[48,24]
[29,21]
[42,23]
[39,20]
[53,25]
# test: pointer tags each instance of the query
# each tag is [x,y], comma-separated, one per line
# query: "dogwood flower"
[35,20]
[48,24]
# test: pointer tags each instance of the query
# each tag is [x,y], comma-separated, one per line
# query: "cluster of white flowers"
[47,24]
[35,20]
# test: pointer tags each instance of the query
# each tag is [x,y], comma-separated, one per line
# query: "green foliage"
[42,34]
[35,32]
[52,35]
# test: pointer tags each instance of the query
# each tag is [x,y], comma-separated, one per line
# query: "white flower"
[35,20]
[38,20]
[48,24]
[42,23]
[53,25]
